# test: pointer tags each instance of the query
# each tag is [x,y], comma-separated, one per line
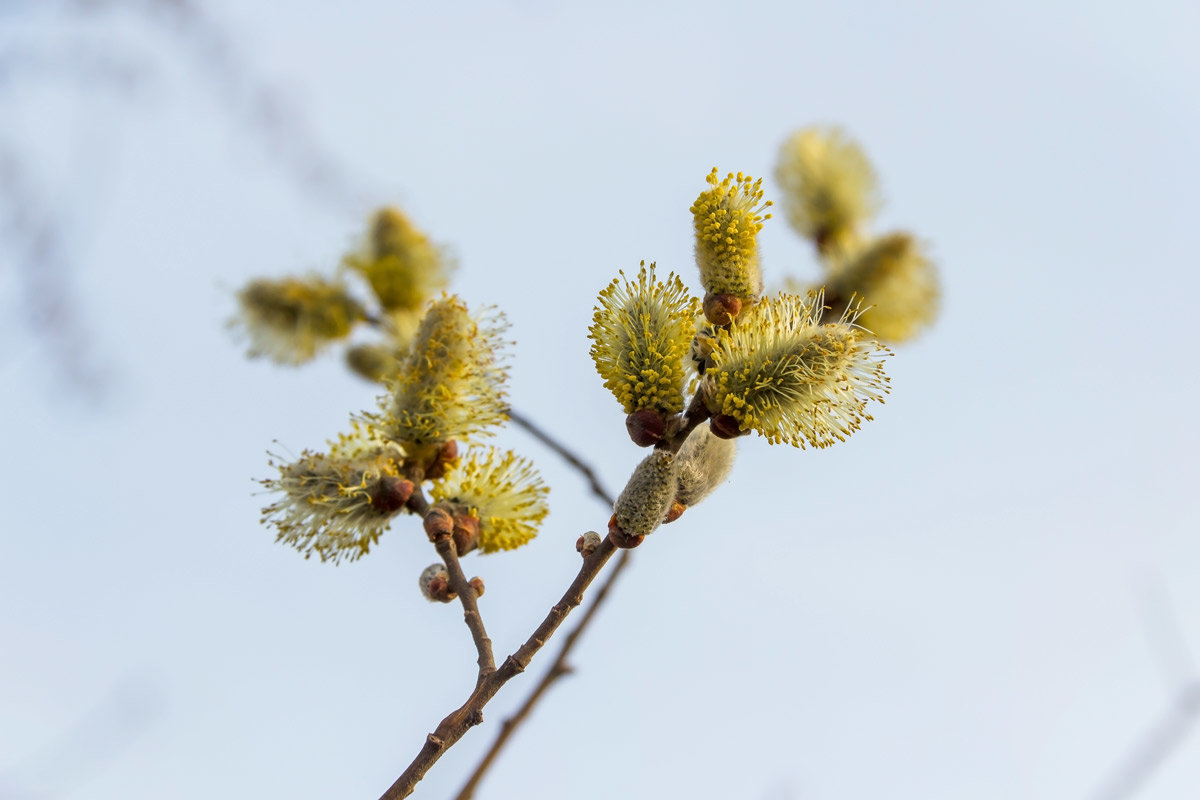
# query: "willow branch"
[575,461]
[469,599]
[470,713]
[557,669]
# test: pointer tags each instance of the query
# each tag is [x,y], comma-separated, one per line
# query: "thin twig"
[470,713]
[1182,713]
[458,722]
[557,669]
[545,438]
[468,597]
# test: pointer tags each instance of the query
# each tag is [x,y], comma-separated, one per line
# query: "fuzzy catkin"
[648,495]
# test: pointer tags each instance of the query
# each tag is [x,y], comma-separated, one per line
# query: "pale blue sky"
[953,604]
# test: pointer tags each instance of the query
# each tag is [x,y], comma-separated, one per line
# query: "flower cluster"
[829,194]
[752,364]
[445,371]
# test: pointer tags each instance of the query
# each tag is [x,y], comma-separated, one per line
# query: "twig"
[1181,714]
[470,713]
[557,669]
[458,722]
[468,597]
[545,438]
[1156,745]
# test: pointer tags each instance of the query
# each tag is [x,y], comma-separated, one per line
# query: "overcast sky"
[990,592]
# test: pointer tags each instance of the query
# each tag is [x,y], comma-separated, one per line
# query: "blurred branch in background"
[1178,719]
[36,230]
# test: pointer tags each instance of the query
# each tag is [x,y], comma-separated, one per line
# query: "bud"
[647,497]
[646,427]
[466,532]
[588,543]
[477,585]
[641,333]
[290,320]
[828,187]
[438,523]
[727,218]
[390,493]
[501,492]
[621,539]
[447,454]
[897,283]
[702,464]
[674,512]
[435,584]
[721,309]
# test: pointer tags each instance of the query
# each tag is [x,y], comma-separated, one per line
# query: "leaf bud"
[438,523]
[435,584]
[646,426]
[391,493]
[588,543]
[721,309]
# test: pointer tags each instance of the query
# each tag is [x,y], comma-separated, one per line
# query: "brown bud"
[438,523]
[721,309]
[466,532]
[446,455]
[646,426]
[726,427]
[674,512]
[588,543]
[391,493]
[622,539]
[477,585]
[435,584]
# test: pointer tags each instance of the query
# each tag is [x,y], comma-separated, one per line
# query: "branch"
[468,597]
[572,459]
[458,722]
[557,669]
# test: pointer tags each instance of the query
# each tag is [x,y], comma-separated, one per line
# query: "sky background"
[989,592]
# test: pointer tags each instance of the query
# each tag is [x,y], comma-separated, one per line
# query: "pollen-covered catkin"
[403,267]
[292,319]
[897,283]
[335,505]
[641,333]
[451,385]
[727,218]
[502,490]
[828,185]
[780,372]
[702,464]
[648,495]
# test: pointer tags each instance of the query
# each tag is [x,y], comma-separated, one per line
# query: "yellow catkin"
[292,319]
[828,186]
[402,265]
[641,334]
[502,490]
[779,372]
[897,283]
[727,218]
[325,508]
[452,383]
